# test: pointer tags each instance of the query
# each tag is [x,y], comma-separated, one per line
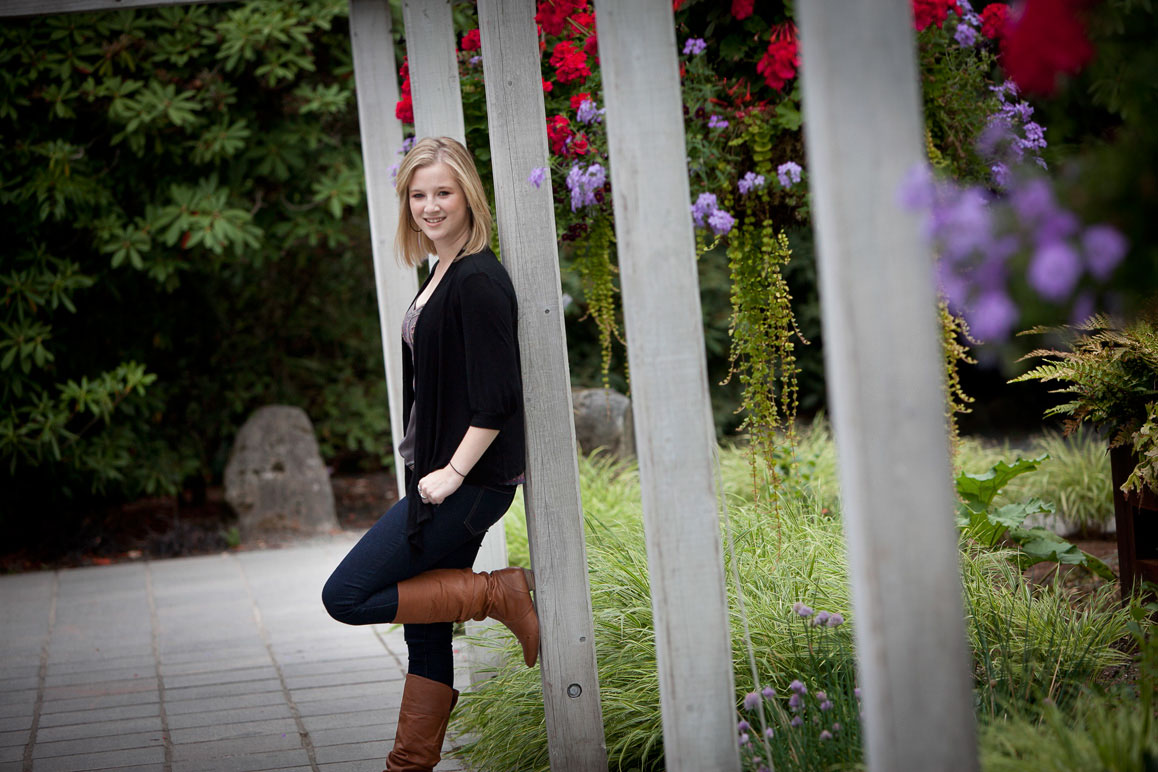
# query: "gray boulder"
[603,420]
[275,479]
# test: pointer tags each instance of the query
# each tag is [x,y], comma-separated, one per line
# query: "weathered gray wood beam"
[433,69]
[883,359]
[376,82]
[673,425]
[9,8]
[526,220]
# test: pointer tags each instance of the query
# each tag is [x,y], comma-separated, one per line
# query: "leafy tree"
[185,240]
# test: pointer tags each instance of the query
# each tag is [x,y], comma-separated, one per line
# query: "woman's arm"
[441,483]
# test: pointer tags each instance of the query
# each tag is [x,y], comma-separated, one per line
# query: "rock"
[603,420]
[275,479]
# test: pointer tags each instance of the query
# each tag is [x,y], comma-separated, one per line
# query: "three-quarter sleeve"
[494,388]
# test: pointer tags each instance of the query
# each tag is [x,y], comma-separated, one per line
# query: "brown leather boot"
[422,721]
[459,594]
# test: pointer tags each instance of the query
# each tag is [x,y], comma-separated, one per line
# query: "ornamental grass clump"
[1027,644]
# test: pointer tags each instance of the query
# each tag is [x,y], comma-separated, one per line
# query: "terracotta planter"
[1136,516]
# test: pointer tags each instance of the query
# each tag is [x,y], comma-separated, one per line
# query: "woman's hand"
[438,486]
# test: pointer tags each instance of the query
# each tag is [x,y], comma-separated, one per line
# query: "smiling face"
[439,206]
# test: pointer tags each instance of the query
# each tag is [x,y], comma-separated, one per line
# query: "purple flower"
[407,144]
[538,176]
[966,35]
[588,113]
[796,721]
[743,739]
[836,727]
[475,60]
[826,705]
[822,696]
[856,692]
[825,735]
[788,173]
[963,223]
[1000,174]
[394,172]
[716,122]
[751,700]
[1104,247]
[721,222]
[749,182]
[769,692]
[704,206]
[1033,200]
[695,46]
[991,316]
[1083,308]
[583,183]
[795,701]
[1055,226]
[743,726]
[769,733]
[917,188]
[1054,270]
[801,610]
[821,618]
[798,687]
[835,619]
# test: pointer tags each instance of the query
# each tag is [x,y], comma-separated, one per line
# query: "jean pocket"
[488,507]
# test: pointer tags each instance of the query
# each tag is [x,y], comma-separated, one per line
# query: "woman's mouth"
[433,220]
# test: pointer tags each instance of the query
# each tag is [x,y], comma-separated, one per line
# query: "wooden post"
[886,395]
[431,51]
[673,426]
[526,220]
[377,91]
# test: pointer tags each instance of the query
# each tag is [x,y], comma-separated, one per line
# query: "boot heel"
[529,575]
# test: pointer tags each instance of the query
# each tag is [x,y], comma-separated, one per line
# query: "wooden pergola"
[863,132]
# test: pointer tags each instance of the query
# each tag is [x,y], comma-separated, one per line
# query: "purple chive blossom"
[822,696]
[965,35]
[1054,270]
[826,705]
[821,618]
[835,619]
[836,727]
[474,60]
[743,739]
[583,184]
[796,722]
[1104,248]
[769,733]
[825,735]
[801,610]
[749,182]
[538,176]
[704,206]
[588,113]
[769,692]
[721,222]
[795,701]
[716,122]
[991,316]
[788,173]
[751,700]
[743,726]
[856,692]
[798,687]
[695,46]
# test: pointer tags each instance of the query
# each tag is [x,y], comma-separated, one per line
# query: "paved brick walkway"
[224,663]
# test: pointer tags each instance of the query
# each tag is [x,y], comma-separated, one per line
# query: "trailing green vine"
[955,340]
[763,327]
[597,276]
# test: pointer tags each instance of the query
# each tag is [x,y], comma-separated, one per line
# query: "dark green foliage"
[185,241]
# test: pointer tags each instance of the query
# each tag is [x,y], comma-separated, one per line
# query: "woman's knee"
[338,600]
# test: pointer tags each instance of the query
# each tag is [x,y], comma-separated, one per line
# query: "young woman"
[463,449]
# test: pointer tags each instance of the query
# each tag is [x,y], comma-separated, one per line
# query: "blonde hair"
[411,245]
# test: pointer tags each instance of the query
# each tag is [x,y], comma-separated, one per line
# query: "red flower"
[582,22]
[675,4]
[742,9]
[578,144]
[552,14]
[569,62]
[470,41]
[548,86]
[591,47]
[404,110]
[926,12]
[558,132]
[782,57]
[993,20]
[1045,40]
[579,99]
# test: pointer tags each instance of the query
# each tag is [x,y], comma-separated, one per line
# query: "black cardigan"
[464,368]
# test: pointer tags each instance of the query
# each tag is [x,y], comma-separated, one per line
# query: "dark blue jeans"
[363,588]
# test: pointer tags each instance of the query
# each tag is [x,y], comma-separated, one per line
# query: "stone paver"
[222,663]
